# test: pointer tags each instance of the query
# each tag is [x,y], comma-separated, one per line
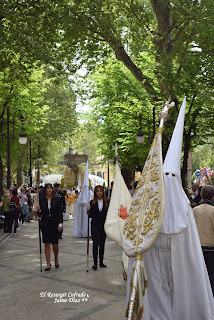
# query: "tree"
[46,101]
[203,156]
[85,140]
[178,36]
[118,101]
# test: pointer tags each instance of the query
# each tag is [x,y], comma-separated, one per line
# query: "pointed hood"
[79,182]
[85,192]
[176,202]
[173,157]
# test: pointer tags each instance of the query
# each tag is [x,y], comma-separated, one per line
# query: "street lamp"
[140,137]
[39,159]
[22,140]
[22,136]
[45,165]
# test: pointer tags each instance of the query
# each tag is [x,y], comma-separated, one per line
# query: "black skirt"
[50,234]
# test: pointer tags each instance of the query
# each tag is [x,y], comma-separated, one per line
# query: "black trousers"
[208,253]
[99,238]
[7,224]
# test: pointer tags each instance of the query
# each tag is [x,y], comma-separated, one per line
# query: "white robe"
[81,220]
[84,229]
[178,283]
[77,219]
[66,213]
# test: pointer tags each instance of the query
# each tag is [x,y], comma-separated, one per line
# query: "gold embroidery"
[146,213]
[139,256]
[159,130]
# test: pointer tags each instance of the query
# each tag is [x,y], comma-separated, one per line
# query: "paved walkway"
[28,294]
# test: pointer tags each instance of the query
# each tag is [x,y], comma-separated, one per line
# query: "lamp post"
[8,149]
[22,140]
[30,169]
[140,137]
[22,136]
[45,165]
[39,159]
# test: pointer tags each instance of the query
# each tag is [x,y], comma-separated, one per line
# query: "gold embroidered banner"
[143,223]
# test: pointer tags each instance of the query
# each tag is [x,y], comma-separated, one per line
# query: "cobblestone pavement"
[67,293]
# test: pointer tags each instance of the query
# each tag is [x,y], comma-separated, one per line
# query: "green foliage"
[85,140]
[203,156]
[118,100]
[44,98]
[166,46]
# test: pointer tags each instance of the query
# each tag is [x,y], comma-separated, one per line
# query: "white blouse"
[100,204]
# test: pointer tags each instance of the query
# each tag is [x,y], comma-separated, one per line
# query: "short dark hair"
[56,184]
[207,192]
[14,192]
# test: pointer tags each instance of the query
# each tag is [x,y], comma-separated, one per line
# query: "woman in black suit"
[51,223]
[98,212]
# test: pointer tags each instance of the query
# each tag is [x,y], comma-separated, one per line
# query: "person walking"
[24,208]
[30,203]
[35,204]
[98,212]
[204,218]
[50,211]
[61,196]
[6,211]
[14,210]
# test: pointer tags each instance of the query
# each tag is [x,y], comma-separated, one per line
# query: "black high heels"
[102,265]
[48,269]
[56,265]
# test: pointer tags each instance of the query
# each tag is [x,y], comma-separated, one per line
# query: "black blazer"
[98,218]
[55,216]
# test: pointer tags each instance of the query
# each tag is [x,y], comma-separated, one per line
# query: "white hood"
[176,202]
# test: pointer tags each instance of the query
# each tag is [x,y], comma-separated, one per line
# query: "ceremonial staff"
[39,225]
[144,219]
[40,245]
[85,203]
[88,212]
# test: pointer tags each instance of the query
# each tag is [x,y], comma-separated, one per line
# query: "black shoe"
[56,265]
[94,267]
[102,265]
[60,237]
[47,269]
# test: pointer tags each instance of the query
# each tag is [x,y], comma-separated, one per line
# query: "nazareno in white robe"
[77,218]
[178,283]
[80,228]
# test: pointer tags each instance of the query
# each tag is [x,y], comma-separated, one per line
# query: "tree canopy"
[45,101]
[166,45]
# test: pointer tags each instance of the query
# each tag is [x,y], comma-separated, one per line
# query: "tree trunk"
[128,176]
[19,173]
[122,56]
[1,177]
[187,140]
[189,169]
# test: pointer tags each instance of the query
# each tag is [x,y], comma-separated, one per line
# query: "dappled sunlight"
[31,236]
[116,282]
[15,251]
